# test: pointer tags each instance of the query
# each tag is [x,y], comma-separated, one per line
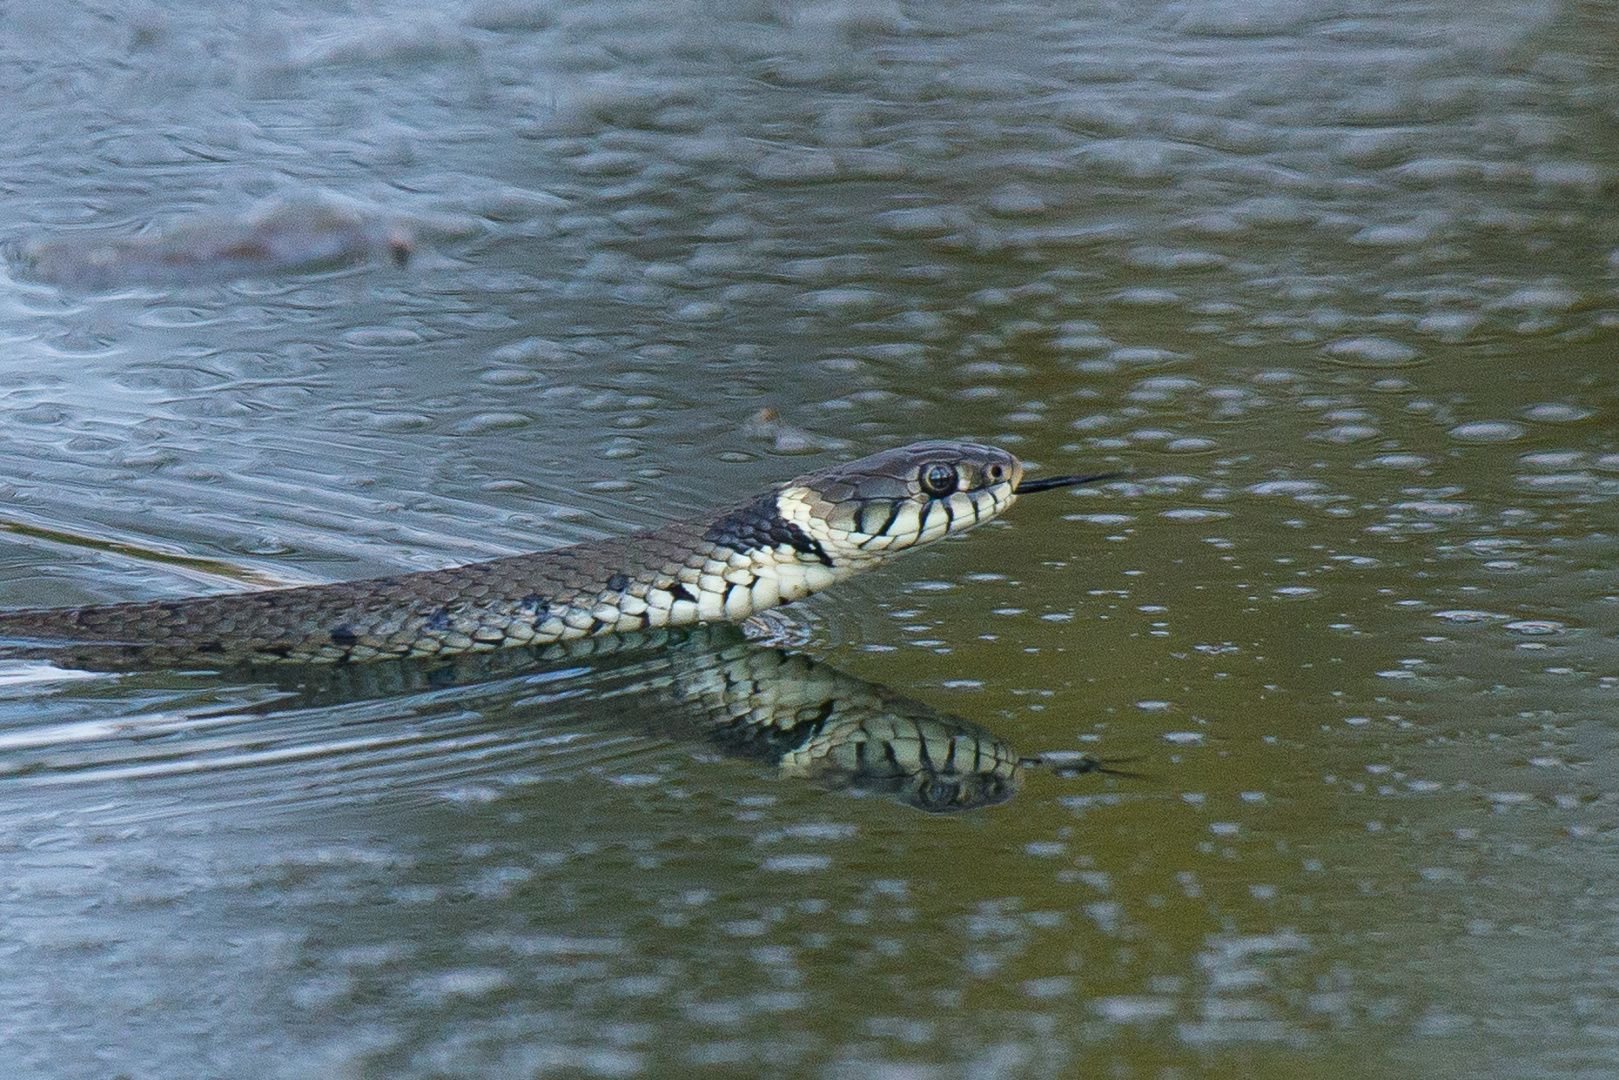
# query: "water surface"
[1335,284]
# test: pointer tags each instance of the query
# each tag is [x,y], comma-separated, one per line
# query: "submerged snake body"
[775,548]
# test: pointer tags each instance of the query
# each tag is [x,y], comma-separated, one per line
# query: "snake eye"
[938,479]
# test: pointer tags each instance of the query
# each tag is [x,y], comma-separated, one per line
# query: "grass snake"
[777,547]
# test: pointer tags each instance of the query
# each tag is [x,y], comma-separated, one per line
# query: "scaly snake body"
[775,548]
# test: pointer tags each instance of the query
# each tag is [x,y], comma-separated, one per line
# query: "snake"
[774,548]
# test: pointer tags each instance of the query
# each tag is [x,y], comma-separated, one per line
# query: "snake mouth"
[1051,483]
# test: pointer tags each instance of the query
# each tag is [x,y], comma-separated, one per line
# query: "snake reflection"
[447,717]
[746,700]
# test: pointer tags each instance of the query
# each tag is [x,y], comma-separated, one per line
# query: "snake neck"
[762,527]
[777,536]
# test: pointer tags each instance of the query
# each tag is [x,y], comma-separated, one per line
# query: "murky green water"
[1335,283]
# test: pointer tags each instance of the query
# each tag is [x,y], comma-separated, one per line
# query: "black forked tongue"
[1048,483]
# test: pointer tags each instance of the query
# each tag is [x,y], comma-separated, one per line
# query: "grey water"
[303,291]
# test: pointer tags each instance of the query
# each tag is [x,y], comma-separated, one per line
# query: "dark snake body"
[775,548]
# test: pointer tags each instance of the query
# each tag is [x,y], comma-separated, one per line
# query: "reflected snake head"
[947,794]
[927,759]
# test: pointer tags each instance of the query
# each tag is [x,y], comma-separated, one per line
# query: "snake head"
[894,500]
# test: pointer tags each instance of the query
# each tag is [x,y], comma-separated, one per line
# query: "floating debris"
[766,426]
[276,238]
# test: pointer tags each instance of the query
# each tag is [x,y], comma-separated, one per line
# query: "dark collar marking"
[759,525]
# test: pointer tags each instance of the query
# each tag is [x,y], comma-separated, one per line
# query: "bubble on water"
[1434,508]
[1464,616]
[462,983]
[1408,235]
[1556,413]
[1487,431]
[701,311]
[1430,172]
[1140,159]
[484,423]
[1216,224]
[921,221]
[500,376]
[1400,461]
[1587,179]
[1158,258]
[1558,481]
[1286,487]
[1127,1009]
[1184,738]
[1050,987]
[1147,297]
[532,350]
[1193,514]
[846,301]
[1535,626]
[796,864]
[1491,545]
[397,421]
[1016,200]
[1168,383]
[1553,459]
[1349,433]
[1450,325]
[796,166]
[382,337]
[1274,210]
[1083,344]
[1297,592]
[1372,352]
[1538,299]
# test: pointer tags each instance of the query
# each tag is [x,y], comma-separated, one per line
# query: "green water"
[1334,284]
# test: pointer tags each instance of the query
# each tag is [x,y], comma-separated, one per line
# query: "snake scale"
[772,549]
